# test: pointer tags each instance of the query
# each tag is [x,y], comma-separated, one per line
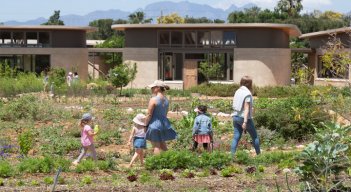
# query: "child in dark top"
[202,129]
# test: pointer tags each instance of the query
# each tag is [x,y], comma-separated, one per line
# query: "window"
[229,38]
[44,39]
[164,37]
[171,66]
[177,38]
[225,65]
[203,38]
[216,38]
[333,72]
[32,39]
[18,39]
[5,38]
[190,39]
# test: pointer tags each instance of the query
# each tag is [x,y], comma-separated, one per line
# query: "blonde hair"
[247,82]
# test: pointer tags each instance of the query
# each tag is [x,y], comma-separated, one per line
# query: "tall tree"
[138,18]
[54,19]
[291,7]
[172,18]
[104,29]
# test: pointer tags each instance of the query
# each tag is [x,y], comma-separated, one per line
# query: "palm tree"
[138,18]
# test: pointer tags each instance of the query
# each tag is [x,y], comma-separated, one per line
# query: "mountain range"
[153,10]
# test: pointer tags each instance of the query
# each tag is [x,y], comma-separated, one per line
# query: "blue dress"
[160,128]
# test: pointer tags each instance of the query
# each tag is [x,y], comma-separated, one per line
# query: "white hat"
[139,119]
[70,73]
[196,110]
[157,83]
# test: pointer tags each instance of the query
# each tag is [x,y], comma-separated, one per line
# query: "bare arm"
[131,135]
[150,110]
[91,133]
[246,113]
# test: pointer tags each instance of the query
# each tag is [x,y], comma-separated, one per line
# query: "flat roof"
[47,27]
[326,32]
[292,30]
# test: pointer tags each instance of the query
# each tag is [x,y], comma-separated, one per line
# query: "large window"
[177,38]
[203,38]
[216,38]
[171,66]
[24,39]
[229,38]
[164,38]
[190,38]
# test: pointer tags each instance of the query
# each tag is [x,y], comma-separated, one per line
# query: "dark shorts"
[139,143]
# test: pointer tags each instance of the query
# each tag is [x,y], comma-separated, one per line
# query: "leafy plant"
[122,74]
[187,173]
[85,166]
[25,107]
[2,183]
[132,176]
[36,165]
[229,171]
[25,142]
[166,174]
[6,169]
[326,158]
[34,183]
[145,177]
[87,180]
[48,180]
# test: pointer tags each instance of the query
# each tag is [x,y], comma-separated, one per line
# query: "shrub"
[2,183]
[229,171]
[22,83]
[25,142]
[87,180]
[145,177]
[215,159]
[222,90]
[48,180]
[36,165]
[6,169]
[25,107]
[242,157]
[85,166]
[106,165]
[324,160]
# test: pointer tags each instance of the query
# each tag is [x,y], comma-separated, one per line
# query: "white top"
[139,131]
[242,95]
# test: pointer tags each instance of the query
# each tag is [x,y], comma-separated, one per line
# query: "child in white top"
[139,142]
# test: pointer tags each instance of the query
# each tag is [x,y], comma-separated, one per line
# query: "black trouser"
[205,145]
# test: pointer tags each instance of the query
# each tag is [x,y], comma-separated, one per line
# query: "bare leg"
[163,146]
[141,156]
[93,152]
[157,147]
[133,158]
[82,154]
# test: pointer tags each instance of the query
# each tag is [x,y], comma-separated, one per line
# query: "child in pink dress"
[87,138]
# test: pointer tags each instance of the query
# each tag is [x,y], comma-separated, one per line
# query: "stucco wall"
[70,59]
[147,64]
[267,67]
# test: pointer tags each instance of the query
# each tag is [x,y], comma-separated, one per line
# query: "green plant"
[229,171]
[171,160]
[34,183]
[145,177]
[6,169]
[48,180]
[187,173]
[166,174]
[25,142]
[215,159]
[210,71]
[36,165]
[203,173]
[122,74]
[106,165]
[242,157]
[326,158]
[20,183]
[57,76]
[2,183]
[85,166]
[87,180]
[25,107]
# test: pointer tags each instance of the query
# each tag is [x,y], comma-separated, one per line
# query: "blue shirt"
[202,125]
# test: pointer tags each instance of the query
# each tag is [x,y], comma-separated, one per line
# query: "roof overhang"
[48,27]
[292,30]
[327,32]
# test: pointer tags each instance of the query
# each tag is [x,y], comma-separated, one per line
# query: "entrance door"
[190,73]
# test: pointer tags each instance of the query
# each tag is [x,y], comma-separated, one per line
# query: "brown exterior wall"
[246,38]
[321,41]
[68,39]
[267,67]
[70,59]
[147,65]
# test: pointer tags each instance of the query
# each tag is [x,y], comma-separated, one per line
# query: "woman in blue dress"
[159,128]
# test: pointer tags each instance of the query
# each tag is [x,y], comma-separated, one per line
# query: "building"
[318,42]
[36,48]
[173,52]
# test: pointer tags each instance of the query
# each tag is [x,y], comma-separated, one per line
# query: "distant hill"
[153,10]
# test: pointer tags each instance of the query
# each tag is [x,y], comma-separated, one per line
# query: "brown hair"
[166,87]
[83,122]
[247,82]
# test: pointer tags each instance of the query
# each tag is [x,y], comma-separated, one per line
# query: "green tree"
[188,19]
[291,7]
[336,59]
[54,19]
[122,74]
[104,29]
[218,21]
[138,18]
[112,42]
[172,18]
[210,71]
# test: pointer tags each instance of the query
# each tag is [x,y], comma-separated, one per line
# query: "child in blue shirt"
[202,129]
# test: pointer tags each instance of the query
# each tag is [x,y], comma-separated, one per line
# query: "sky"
[22,10]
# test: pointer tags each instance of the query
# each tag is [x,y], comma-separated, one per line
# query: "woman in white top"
[242,120]
[138,136]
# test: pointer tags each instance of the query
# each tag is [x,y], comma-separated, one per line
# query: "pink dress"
[202,138]
[86,139]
